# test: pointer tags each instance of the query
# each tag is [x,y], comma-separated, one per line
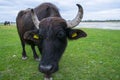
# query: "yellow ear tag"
[74,35]
[36,36]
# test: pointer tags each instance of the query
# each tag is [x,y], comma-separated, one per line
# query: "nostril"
[46,68]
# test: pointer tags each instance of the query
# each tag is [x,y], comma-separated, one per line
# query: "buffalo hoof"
[48,78]
[37,59]
[24,58]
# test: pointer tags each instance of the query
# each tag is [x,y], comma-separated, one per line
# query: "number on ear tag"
[74,35]
[36,36]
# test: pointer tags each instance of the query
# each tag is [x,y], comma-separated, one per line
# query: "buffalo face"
[53,43]
[51,37]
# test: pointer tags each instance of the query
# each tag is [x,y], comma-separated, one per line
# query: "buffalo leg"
[40,49]
[24,56]
[34,53]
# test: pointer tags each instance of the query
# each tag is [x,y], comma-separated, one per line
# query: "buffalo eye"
[61,34]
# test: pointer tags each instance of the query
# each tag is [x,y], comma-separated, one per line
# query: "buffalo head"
[51,35]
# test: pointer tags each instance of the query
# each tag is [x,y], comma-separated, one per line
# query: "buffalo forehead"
[53,22]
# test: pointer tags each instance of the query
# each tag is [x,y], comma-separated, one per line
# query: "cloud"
[103,15]
[93,9]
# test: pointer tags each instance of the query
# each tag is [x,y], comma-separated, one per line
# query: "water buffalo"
[44,27]
[6,23]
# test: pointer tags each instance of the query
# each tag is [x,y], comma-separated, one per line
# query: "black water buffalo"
[6,23]
[44,27]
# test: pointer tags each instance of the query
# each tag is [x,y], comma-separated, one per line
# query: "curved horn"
[77,19]
[35,19]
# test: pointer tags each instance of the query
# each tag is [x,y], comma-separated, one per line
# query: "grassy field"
[96,57]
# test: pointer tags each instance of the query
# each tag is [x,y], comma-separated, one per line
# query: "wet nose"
[45,68]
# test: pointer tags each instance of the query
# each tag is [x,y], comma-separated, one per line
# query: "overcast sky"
[93,9]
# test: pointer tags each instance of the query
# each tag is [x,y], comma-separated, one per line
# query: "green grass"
[96,57]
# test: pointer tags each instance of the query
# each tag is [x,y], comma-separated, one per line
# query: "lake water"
[100,25]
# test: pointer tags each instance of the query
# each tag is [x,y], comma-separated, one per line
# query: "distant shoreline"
[100,21]
[13,22]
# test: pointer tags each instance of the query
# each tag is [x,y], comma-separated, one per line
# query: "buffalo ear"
[75,34]
[31,36]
